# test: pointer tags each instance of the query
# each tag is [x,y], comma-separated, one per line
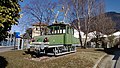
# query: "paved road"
[5,48]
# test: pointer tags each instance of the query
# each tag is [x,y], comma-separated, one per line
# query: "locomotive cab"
[60,28]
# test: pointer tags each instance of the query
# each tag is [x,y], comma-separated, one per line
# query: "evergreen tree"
[9,15]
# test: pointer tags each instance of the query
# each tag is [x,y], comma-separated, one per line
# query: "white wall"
[76,34]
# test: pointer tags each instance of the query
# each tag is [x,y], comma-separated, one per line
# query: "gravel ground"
[83,58]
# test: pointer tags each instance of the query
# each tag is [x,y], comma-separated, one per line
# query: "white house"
[76,34]
[36,29]
[116,33]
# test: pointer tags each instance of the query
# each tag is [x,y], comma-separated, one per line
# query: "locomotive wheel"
[37,52]
[60,50]
[56,51]
[73,48]
[70,48]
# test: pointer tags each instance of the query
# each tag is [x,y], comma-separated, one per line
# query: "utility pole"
[56,17]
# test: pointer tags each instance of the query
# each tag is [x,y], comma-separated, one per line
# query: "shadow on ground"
[112,51]
[34,54]
[3,62]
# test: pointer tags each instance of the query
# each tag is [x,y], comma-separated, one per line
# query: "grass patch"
[83,58]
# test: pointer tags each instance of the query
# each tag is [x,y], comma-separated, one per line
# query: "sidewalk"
[6,48]
[106,62]
[111,60]
[1,47]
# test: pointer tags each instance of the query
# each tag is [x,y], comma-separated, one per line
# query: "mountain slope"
[115,18]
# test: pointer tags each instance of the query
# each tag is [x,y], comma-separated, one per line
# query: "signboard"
[17,34]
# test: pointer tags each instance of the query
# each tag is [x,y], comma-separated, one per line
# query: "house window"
[36,28]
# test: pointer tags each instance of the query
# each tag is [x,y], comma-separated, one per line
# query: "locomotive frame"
[61,40]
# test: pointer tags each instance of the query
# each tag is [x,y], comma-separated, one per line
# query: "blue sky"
[110,5]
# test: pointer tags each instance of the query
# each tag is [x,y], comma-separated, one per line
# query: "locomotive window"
[60,31]
[72,31]
[68,30]
[57,30]
[63,29]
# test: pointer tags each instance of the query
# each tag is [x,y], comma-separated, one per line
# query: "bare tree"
[100,22]
[82,10]
[40,11]
[89,16]
[77,13]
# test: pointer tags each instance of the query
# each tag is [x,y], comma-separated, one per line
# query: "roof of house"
[38,24]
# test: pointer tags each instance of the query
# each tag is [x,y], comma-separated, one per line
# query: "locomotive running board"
[55,46]
[61,53]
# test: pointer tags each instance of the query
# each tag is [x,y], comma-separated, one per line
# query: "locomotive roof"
[59,24]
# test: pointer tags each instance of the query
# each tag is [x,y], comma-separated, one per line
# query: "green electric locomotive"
[59,40]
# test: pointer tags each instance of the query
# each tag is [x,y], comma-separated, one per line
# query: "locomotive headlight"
[42,46]
[37,47]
